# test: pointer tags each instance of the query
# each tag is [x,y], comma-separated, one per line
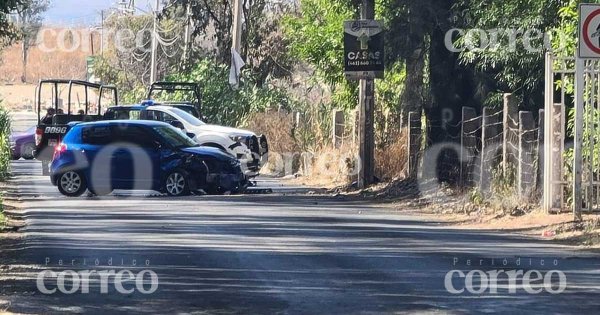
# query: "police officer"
[47,120]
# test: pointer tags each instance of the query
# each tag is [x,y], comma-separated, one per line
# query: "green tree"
[8,31]
[29,24]
[263,47]
[515,62]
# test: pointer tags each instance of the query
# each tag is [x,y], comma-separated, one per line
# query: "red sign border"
[586,26]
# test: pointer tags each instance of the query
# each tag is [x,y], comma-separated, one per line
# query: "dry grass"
[391,161]
[319,163]
[329,167]
[56,64]
[277,126]
[284,156]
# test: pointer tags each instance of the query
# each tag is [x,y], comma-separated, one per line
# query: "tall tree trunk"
[451,89]
[25,49]
[412,98]
[414,88]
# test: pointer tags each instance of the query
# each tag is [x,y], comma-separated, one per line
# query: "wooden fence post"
[510,127]
[468,144]
[525,169]
[540,153]
[339,124]
[490,141]
[414,144]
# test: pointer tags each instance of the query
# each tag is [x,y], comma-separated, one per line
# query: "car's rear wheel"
[177,184]
[27,151]
[72,184]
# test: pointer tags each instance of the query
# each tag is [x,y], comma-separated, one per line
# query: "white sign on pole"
[589,31]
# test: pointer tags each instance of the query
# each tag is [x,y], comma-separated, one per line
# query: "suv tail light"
[38,136]
[59,149]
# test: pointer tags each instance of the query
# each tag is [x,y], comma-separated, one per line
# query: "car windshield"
[188,117]
[175,137]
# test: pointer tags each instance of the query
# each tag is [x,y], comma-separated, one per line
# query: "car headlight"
[12,143]
[238,139]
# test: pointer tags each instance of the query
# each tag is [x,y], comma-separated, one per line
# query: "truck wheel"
[177,184]
[27,151]
[72,184]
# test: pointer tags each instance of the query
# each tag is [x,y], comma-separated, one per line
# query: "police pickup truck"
[54,125]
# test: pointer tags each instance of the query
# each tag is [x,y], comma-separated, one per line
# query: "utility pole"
[188,31]
[153,62]
[102,33]
[237,26]
[366,105]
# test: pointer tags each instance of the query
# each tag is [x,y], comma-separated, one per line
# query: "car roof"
[159,105]
[163,107]
[149,123]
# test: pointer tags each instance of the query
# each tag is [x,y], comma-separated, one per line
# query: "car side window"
[168,118]
[96,135]
[134,135]
[160,116]
[154,115]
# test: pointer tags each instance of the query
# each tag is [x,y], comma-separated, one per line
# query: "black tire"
[71,184]
[177,183]
[28,151]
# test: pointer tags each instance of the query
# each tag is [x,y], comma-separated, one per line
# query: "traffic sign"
[363,49]
[589,31]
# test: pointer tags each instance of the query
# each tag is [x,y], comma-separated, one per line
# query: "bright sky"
[81,11]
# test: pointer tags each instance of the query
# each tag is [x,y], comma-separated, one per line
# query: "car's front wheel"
[177,184]
[72,184]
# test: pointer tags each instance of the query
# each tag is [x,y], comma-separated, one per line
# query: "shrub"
[224,105]
[391,160]
[5,155]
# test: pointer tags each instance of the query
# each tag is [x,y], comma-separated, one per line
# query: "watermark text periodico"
[511,276]
[120,275]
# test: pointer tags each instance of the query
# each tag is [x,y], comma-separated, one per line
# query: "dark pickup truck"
[49,134]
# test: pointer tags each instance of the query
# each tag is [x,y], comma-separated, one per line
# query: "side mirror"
[191,135]
[177,124]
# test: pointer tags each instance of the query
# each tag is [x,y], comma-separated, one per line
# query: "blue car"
[140,155]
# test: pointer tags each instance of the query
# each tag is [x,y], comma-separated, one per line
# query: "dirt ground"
[17,97]
[559,228]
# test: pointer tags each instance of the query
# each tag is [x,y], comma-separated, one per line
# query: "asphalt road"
[265,254]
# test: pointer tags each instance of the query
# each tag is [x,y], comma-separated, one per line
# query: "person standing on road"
[47,120]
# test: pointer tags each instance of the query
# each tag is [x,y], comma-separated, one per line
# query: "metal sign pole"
[367,109]
[578,159]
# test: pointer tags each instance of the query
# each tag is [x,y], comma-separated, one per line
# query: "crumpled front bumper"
[253,154]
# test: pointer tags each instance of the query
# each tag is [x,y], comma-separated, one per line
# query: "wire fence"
[484,149]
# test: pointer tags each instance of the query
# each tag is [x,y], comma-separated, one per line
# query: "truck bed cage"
[171,87]
[87,85]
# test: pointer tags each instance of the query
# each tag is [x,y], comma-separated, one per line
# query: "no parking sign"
[589,31]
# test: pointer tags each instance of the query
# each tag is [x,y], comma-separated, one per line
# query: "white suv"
[246,146]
